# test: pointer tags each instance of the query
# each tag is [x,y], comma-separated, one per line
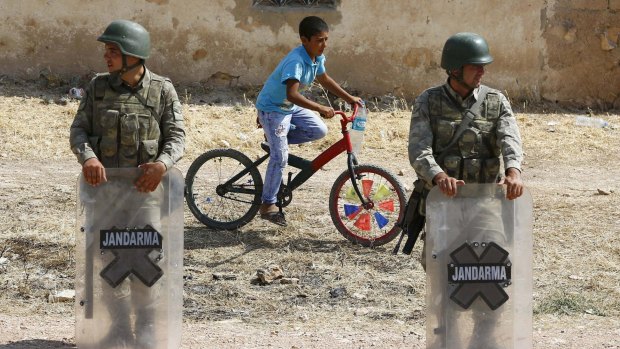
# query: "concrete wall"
[562,50]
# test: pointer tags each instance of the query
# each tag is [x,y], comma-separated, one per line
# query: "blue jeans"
[307,126]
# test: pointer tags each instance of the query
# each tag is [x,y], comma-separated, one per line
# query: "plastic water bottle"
[583,120]
[356,133]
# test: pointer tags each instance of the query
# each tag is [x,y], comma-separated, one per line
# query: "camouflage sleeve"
[172,127]
[81,127]
[508,136]
[421,141]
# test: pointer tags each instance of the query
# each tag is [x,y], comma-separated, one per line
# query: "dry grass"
[576,234]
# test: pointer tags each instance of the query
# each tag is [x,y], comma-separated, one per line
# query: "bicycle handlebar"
[346,118]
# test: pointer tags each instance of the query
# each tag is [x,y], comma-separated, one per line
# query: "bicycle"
[224,187]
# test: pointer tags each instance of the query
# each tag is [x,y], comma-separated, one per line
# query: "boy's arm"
[333,87]
[293,95]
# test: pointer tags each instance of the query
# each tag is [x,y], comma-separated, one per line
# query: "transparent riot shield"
[129,261]
[479,269]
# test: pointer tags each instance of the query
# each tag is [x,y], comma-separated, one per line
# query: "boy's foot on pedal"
[271,213]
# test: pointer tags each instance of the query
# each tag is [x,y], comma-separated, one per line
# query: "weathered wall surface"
[581,54]
[562,50]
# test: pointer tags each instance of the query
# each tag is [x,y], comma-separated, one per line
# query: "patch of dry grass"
[576,240]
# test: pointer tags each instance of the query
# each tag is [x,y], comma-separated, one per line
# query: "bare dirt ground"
[572,173]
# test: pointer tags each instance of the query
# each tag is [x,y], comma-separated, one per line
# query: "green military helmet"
[465,48]
[131,38]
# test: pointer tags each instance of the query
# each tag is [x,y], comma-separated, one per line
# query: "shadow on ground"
[37,344]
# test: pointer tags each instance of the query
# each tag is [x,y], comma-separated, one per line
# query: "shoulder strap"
[101,84]
[468,116]
[150,96]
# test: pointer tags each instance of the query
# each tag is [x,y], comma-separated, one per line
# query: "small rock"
[358,296]
[603,192]
[3,260]
[224,276]
[361,311]
[289,281]
[242,136]
[269,275]
[61,296]
[337,292]
[225,143]
[401,172]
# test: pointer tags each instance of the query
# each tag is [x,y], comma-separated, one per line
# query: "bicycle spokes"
[387,205]
[369,220]
[377,193]
[363,222]
[366,187]
[351,195]
[382,192]
[351,210]
[382,221]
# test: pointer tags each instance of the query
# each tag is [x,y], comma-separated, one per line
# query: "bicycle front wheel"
[217,203]
[374,226]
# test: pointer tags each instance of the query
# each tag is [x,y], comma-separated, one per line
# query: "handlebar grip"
[348,118]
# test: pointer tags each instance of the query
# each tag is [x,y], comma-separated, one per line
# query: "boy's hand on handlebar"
[355,100]
[327,112]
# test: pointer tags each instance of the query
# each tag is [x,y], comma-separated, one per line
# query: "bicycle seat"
[265,146]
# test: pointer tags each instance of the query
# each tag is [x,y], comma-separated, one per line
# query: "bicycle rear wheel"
[368,227]
[220,206]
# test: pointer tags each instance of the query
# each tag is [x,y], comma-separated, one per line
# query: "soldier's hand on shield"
[152,173]
[514,184]
[447,184]
[94,172]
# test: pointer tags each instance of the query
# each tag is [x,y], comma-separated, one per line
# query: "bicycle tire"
[375,226]
[230,210]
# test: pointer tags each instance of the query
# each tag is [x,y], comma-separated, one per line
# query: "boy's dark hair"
[312,25]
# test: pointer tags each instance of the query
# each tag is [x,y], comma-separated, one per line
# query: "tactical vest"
[126,129]
[475,157]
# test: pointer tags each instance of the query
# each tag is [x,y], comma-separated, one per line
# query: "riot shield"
[129,261]
[479,269]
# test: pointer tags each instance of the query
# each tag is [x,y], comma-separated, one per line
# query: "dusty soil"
[570,171]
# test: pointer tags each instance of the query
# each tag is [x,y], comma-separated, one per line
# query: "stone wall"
[560,50]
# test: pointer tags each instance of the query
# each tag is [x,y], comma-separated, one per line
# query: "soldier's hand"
[447,184]
[152,173]
[514,184]
[94,172]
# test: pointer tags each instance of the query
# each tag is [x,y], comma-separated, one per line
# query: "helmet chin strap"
[127,68]
[458,77]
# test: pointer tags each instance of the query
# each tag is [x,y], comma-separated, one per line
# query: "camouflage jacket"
[476,155]
[126,127]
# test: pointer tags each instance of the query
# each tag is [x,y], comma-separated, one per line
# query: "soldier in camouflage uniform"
[128,117]
[437,114]
[474,156]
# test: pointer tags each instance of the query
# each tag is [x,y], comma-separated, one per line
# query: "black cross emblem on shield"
[131,249]
[479,276]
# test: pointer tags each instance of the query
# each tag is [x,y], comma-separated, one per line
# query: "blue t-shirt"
[297,65]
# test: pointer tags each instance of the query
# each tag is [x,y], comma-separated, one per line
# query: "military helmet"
[465,48]
[131,38]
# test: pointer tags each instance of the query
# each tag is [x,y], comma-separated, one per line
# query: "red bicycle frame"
[308,168]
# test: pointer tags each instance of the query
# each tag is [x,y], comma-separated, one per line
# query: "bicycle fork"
[351,163]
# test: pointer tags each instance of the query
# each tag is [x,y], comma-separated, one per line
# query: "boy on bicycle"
[280,104]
